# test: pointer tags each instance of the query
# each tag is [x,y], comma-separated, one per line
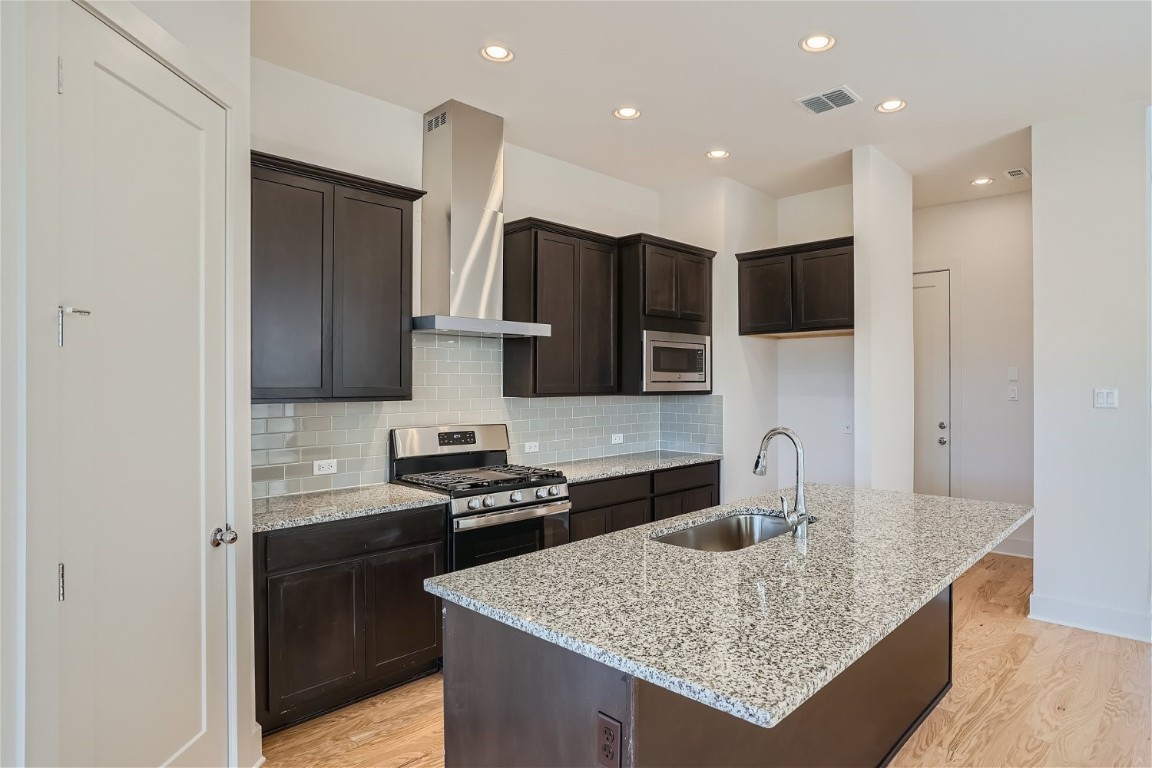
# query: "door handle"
[943,441]
[942,425]
[224,536]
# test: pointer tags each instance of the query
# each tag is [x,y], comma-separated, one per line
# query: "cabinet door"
[766,294]
[823,289]
[372,353]
[403,621]
[585,525]
[598,318]
[557,279]
[291,286]
[315,638]
[669,505]
[700,498]
[660,282]
[630,515]
[694,287]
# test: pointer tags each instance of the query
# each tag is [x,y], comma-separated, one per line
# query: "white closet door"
[930,308]
[141,427]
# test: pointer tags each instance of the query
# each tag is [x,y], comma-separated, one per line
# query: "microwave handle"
[515,515]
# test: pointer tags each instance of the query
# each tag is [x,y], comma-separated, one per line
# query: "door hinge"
[59,74]
[60,582]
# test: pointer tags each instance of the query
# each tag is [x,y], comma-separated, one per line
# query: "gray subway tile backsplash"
[457,380]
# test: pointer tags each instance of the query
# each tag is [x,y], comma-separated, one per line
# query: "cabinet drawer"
[669,480]
[607,493]
[325,542]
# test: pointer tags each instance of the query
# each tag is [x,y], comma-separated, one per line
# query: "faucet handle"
[790,517]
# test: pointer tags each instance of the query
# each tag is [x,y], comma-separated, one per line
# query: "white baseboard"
[1015,547]
[1094,618]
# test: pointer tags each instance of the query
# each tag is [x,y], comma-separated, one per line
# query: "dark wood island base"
[512,699]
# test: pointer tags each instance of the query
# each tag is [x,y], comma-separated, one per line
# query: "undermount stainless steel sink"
[727,534]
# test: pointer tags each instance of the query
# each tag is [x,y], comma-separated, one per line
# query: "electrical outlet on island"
[531,447]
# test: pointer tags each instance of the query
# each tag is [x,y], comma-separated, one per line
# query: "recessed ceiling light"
[890,105]
[627,113]
[717,154]
[817,43]
[497,53]
[983,181]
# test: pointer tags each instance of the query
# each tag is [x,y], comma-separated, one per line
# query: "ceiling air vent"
[436,122]
[1017,173]
[828,100]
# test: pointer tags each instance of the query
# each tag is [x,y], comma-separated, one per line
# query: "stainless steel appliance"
[677,362]
[496,510]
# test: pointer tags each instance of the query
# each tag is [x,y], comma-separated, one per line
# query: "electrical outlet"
[607,741]
[531,447]
[617,439]
[846,428]
[324,467]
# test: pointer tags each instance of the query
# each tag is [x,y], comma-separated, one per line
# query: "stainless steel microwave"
[677,362]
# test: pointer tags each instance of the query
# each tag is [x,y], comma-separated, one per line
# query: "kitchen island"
[622,650]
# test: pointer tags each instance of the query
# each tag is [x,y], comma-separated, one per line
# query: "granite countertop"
[325,506]
[584,470]
[754,632]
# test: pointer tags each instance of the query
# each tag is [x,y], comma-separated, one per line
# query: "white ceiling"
[976,75]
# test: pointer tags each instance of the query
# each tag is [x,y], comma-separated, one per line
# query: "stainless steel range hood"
[462,226]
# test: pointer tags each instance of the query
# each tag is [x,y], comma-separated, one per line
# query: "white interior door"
[141,431]
[931,330]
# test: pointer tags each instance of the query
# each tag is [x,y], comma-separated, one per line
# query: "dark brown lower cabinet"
[604,506]
[341,611]
[310,659]
[593,522]
[673,504]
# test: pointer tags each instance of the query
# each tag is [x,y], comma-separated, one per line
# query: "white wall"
[882,350]
[1093,476]
[728,217]
[987,247]
[818,215]
[547,188]
[815,375]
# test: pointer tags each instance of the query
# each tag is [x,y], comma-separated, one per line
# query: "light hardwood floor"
[1024,693]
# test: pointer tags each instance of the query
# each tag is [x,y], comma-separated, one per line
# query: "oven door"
[676,362]
[486,538]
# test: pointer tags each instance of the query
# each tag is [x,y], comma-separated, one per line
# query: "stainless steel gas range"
[496,510]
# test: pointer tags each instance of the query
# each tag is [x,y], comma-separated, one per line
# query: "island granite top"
[279,512]
[755,632]
[585,470]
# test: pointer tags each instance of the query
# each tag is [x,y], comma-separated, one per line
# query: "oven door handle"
[499,518]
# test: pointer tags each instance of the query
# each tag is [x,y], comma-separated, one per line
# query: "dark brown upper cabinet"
[568,278]
[331,284]
[667,285]
[806,288]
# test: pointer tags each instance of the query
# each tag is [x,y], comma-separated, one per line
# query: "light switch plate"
[617,439]
[1105,398]
[1013,373]
[1013,394]
[324,467]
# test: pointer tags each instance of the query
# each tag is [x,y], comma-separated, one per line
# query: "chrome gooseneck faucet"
[797,519]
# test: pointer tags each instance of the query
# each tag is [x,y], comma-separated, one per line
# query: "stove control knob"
[553,491]
[473,503]
[541,492]
[489,501]
[516,496]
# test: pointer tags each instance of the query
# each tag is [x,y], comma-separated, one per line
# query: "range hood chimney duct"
[462,226]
